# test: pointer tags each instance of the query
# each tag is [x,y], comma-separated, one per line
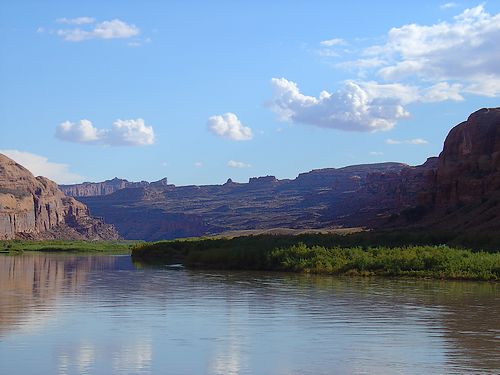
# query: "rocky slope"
[35,208]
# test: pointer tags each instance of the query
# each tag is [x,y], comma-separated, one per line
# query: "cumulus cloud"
[415,141]
[462,52]
[229,126]
[82,131]
[113,29]
[415,64]
[237,164]
[122,133]
[76,21]
[448,5]
[41,166]
[333,42]
[356,107]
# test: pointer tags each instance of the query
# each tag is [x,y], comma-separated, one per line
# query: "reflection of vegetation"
[323,254]
[18,246]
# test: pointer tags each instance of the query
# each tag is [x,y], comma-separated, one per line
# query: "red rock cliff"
[469,165]
[34,206]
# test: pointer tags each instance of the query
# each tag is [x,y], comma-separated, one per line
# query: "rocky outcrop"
[459,191]
[35,207]
[90,189]
[469,165]
[466,189]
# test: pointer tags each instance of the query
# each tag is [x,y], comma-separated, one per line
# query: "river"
[65,314]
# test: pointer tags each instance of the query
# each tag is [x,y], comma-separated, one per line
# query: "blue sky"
[204,91]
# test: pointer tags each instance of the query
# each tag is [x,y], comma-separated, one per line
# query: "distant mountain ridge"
[320,198]
[90,189]
[452,191]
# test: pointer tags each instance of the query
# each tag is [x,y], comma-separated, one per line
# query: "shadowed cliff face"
[317,199]
[467,186]
[35,208]
[469,166]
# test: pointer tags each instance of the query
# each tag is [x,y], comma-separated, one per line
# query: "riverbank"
[323,254]
[20,246]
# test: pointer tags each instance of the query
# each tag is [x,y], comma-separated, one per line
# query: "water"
[103,315]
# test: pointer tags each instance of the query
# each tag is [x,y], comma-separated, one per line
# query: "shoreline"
[320,254]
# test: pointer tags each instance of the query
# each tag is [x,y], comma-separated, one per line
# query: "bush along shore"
[322,254]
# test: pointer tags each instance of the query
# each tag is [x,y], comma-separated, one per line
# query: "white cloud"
[76,21]
[237,164]
[462,54]
[442,91]
[403,94]
[122,133]
[198,164]
[333,42]
[363,63]
[41,166]
[416,63]
[415,141]
[113,29]
[356,107]
[130,132]
[83,132]
[448,6]
[229,126]
[376,153]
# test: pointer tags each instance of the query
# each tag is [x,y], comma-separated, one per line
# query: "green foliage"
[323,254]
[18,246]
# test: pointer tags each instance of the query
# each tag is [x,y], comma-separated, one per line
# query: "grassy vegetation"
[19,246]
[330,254]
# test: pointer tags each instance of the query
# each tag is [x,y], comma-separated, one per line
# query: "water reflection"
[100,315]
[31,284]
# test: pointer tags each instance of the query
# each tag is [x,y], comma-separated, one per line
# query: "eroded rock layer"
[34,207]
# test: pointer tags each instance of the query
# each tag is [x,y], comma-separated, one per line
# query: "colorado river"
[64,314]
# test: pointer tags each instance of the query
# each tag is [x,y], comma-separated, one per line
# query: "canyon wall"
[34,207]
[88,189]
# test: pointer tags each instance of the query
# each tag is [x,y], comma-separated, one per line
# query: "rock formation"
[467,185]
[88,189]
[35,208]
[317,199]
[469,165]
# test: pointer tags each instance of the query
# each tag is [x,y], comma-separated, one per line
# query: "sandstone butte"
[34,208]
[459,191]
